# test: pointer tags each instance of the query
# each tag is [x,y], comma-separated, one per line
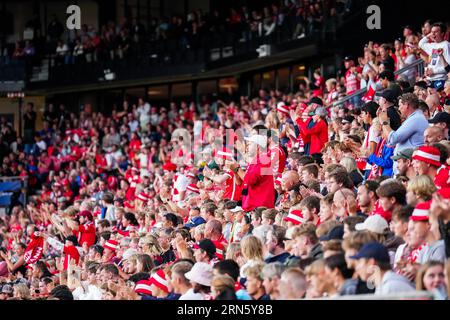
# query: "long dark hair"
[132,218]
[43,268]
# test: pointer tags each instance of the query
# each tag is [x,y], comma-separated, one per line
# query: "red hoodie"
[317,135]
[259,181]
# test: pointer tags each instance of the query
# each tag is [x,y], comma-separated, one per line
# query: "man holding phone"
[438,50]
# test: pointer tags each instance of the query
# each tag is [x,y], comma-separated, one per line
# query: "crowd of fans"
[278,196]
[288,20]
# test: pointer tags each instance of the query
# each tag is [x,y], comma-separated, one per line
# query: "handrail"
[24,186]
[416,63]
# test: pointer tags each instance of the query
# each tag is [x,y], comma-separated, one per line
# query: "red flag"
[33,252]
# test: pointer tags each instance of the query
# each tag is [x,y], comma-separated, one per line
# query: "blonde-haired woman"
[252,252]
[420,189]
[22,292]
[431,277]
[150,245]
[272,122]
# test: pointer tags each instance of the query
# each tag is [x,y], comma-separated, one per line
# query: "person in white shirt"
[88,290]
[438,50]
[143,111]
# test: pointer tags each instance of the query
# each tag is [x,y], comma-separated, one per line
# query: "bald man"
[289,180]
[292,284]
[344,200]
[433,134]
[433,102]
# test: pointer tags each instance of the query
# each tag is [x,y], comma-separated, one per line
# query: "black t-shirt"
[389,63]
[29,120]
[394,118]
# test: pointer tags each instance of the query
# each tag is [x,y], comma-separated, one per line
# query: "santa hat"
[421,212]
[296,217]
[111,245]
[225,153]
[281,107]
[159,279]
[143,287]
[429,155]
[193,187]
[143,197]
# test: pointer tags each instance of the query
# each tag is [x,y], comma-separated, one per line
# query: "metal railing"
[418,65]
[24,187]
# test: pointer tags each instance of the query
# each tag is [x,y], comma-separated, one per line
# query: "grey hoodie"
[394,283]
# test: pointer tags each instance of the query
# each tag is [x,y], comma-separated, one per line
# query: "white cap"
[258,139]
[236,209]
[201,273]
[375,223]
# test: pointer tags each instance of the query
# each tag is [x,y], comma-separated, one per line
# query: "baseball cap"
[373,250]
[206,245]
[438,85]
[404,154]
[321,111]
[389,95]
[441,117]
[195,221]
[200,273]
[237,209]
[258,139]
[336,233]
[7,289]
[374,223]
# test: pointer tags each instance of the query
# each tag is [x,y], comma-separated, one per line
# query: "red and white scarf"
[33,252]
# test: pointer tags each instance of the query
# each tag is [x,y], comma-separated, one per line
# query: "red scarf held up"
[33,252]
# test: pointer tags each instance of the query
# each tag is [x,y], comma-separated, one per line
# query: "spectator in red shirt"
[314,131]
[259,190]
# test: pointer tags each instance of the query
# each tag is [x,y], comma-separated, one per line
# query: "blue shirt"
[410,133]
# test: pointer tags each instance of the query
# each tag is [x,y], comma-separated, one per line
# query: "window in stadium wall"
[283,79]
[298,73]
[256,83]
[228,85]
[182,91]
[207,87]
[135,93]
[268,80]
[158,93]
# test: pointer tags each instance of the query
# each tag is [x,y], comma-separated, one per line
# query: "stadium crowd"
[277,196]
[130,38]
